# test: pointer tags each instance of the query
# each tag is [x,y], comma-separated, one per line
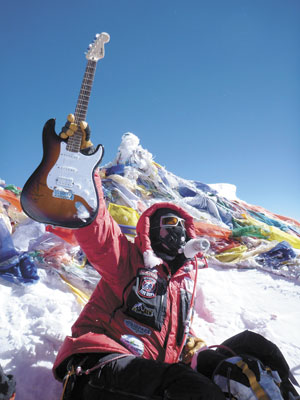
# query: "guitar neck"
[74,142]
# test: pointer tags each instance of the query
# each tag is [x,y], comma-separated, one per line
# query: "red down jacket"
[137,307]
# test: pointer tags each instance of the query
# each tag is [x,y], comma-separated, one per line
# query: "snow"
[34,319]
[227,190]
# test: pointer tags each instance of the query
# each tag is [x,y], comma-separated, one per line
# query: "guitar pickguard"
[71,176]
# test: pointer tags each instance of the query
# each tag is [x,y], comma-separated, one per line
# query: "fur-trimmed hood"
[142,240]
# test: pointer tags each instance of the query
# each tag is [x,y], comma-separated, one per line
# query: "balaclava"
[166,241]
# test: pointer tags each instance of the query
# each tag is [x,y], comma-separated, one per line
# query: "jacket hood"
[142,240]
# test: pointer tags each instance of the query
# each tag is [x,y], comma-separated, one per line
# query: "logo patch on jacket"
[136,328]
[140,308]
[132,343]
[148,287]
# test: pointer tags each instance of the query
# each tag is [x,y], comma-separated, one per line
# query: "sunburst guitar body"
[62,191]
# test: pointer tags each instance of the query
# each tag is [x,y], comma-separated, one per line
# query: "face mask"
[168,234]
[173,239]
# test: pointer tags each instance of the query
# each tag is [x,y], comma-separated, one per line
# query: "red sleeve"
[102,241]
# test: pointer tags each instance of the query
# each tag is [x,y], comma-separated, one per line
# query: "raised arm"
[102,241]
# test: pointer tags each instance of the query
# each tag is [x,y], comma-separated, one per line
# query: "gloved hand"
[70,128]
[195,246]
[192,346]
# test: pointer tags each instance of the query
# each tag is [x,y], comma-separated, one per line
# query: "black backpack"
[248,367]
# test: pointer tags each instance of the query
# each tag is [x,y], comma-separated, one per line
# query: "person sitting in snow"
[133,339]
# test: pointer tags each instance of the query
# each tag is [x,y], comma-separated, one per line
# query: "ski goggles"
[170,221]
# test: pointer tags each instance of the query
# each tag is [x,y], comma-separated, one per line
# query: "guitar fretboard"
[74,142]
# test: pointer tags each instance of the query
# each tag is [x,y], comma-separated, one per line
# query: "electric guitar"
[62,191]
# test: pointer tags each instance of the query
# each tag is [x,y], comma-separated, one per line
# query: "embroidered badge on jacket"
[147,287]
[136,328]
[141,309]
[132,343]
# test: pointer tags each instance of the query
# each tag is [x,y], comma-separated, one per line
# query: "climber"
[133,338]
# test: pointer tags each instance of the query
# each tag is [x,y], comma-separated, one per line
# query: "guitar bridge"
[62,193]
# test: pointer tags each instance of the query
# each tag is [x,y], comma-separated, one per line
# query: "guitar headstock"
[96,49]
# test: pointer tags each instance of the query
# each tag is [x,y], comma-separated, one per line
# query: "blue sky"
[211,87]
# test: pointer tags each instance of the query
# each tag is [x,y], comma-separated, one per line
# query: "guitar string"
[82,104]
[74,142]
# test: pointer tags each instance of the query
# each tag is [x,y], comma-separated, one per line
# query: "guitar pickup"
[64,182]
